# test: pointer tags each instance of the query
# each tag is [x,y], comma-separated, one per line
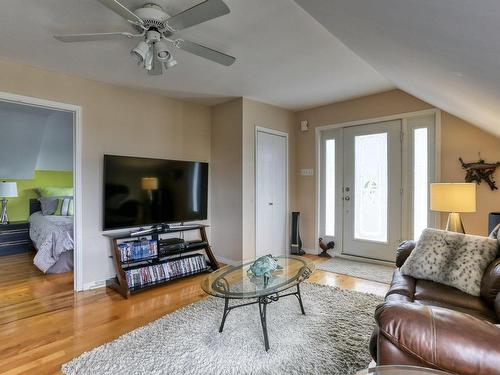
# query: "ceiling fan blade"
[207,53]
[123,11]
[92,37]
[207,10]
[157,68]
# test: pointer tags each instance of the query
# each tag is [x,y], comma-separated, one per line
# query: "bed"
[52,237]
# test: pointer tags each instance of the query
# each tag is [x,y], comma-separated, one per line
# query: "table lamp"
[453,198]
[7,190]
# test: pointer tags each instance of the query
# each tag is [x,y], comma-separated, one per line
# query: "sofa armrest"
[438,338]
[497,306]
[403,252]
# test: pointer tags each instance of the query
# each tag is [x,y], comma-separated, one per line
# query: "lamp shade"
[8,189]
[453,197]
[149,183]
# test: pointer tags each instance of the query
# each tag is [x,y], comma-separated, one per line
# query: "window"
[330,187]
[420,181]
[370,178]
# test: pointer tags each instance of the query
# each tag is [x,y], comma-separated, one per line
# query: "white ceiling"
[446,52]
[283,56]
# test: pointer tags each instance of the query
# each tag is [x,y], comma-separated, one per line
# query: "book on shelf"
[137,250]
[173,268]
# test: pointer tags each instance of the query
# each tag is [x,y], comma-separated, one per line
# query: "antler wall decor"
[480,171]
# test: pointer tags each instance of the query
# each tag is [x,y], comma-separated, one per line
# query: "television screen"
[141,191]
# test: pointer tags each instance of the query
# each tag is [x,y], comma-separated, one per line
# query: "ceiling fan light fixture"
[140,52]
[170,63]
[156,27]
[162,52]
[148,60]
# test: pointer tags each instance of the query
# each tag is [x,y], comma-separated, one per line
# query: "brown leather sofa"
[423,323]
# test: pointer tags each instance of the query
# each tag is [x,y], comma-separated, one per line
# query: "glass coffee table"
[236,283]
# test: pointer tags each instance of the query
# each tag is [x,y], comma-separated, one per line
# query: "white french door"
[271,192]
[372,190]
[373,185]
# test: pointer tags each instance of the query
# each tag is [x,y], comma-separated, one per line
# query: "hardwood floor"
[44,324]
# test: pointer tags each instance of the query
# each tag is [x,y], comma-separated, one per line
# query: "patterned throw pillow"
[454,259]
[65,207]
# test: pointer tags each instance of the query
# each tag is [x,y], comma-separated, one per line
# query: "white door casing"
[412,128]
[77,172]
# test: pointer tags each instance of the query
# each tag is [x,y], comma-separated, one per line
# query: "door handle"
[270,203]
[347,198]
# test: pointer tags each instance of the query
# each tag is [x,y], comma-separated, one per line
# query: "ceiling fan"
[157,29]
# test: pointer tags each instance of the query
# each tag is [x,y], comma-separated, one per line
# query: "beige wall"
[116,121]
[461,139]
[272,117]
[233,172]
[226,180]
[458,138]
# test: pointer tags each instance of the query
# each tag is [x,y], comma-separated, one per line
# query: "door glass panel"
[420,181]
[371,187]
[330,187]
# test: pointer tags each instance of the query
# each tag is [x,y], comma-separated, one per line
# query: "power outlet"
[307,172]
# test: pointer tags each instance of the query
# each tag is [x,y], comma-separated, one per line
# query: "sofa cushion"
[497,306]
[454,259]
[403,251]
[429,293]
[490,284]
[402,285]
[439,338]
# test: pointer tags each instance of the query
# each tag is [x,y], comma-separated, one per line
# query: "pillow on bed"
[48,205]
[65,207]
[55,191]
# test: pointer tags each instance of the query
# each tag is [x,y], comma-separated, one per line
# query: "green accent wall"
[18,208]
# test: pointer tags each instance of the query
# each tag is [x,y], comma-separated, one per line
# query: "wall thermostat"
[304,125]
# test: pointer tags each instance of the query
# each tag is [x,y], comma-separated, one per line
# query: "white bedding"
[52,236]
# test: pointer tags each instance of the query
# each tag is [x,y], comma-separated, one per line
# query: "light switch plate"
[307,172]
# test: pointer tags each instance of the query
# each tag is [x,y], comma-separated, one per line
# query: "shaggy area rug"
[359,269]
[332,338]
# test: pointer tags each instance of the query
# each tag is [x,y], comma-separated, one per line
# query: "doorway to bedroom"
[37,193]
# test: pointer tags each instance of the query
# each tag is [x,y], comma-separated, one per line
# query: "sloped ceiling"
[445,52]
[28,140]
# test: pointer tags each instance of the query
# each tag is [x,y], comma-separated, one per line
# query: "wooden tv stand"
[120,284]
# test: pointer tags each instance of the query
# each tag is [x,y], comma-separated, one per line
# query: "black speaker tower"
[296,242]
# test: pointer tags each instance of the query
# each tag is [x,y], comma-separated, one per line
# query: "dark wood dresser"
[15,238]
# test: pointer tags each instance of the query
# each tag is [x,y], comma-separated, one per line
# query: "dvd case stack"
[137,250]
[164,271]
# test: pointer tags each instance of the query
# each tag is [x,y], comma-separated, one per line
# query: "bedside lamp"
[453,198]
[7,190]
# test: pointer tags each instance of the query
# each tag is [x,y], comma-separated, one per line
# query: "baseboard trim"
[94,285]
[225,260]
[366,260]
[310,251]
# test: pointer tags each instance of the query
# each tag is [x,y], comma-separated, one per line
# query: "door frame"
[287,187]
[400,116]
[77,171]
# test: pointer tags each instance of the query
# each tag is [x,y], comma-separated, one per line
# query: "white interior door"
[372,190]
[271,193]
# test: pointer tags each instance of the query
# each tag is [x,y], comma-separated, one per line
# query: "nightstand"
[15,238]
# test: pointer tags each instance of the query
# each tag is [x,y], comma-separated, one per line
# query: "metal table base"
[263,301]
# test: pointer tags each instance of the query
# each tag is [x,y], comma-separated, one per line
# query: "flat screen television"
[143,191]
